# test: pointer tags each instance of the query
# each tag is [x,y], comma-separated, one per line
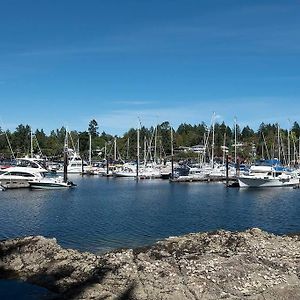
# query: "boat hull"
[14,183]
[266,182]
[50,184]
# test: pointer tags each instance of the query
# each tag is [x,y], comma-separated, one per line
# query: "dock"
[189,178]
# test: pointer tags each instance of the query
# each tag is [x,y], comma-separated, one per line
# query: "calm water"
[102,214]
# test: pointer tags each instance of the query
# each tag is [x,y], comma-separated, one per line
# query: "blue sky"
[64,62]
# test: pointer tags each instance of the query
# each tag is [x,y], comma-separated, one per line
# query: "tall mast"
[278,137]
[145,151]
[172,154]
[224,149]
[294,144]
[289,149]
[31,144]
[115,149]
[235,138]
[90,149]
[137,154]
[213,140]
[127,153]
[299,149]
[66,157]
[155,138]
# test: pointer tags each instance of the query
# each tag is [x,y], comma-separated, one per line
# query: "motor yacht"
[50,183]
[19,177]
[268,173]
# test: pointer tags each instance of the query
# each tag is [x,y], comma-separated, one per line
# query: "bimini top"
[274,163]
[268,162]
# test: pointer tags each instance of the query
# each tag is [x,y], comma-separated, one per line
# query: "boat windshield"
[26,163]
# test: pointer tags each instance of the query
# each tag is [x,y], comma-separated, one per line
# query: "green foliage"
[93,128]
[262,142]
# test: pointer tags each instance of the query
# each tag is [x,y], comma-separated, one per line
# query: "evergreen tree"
[93,128]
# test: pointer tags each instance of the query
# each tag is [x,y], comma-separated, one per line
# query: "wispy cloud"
[77,50]
[244,108]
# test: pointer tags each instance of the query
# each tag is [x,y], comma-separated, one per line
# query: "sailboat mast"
[213,140]
[115,149]
[31,144]
[145,150]
[294,144]
[224,149]
[299,149]
[172,154]
[155,141]
[127,154]
[90,149]
[137,154]
[278,137]
[66,158]
[289,149]
[235,138]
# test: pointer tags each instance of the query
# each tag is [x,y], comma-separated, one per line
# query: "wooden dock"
[202,179]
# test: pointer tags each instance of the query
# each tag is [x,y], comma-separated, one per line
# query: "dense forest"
[268,141]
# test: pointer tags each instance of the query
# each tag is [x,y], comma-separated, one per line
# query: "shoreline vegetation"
[262,143]
[213,265]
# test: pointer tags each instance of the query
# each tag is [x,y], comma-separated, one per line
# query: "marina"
[150,150]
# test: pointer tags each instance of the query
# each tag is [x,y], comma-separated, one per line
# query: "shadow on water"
[44,285]
[51,276]
[19,290]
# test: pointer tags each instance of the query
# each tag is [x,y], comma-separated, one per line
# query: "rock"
[214,265]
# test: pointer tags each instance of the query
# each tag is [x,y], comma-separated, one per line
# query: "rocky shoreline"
[216,265]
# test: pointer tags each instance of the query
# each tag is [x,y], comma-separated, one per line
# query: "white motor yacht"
[50,183]
[75,164]
[268,173]
[33,163]
[19,177]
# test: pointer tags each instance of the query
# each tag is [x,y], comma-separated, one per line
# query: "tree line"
[268,141]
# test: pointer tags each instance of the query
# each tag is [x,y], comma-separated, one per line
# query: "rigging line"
[73,145]
[10,147]
[37,141]
[266,145]
[9,144]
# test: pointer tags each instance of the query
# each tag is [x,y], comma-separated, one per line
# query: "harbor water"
[102,214]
